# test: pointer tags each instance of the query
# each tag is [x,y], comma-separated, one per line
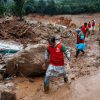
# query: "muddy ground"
[83,73]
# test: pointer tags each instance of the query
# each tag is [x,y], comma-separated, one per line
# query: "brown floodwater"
[86,88]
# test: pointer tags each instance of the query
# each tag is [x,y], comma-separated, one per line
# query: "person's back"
[93,25]
[89,25]
[84,29]
[54,53]
[80,45]
[79,40]
[79,34]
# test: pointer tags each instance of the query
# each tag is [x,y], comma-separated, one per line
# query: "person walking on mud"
[93,25]
[55,54]
[85,29]
[80,45]
[89,26]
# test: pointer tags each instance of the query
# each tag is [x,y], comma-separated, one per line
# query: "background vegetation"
[50,7]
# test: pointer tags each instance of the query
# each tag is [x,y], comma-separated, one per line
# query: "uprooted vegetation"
[31,30]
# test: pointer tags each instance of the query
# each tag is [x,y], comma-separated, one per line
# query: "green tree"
[18,8]
[51,7]
[2,8]
[41,6]
[30,6]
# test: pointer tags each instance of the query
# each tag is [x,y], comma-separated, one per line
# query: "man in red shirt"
[93,25]
[85,29]
[89,25]
[80,45]
[54,53]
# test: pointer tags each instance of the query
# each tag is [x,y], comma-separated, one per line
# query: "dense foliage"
[51,7]
[2,8]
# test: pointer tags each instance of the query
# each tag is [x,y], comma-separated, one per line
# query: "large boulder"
[28,62]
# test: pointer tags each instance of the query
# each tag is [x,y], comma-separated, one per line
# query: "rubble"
[8,96]
[31,31]
[27,63]
[6,91]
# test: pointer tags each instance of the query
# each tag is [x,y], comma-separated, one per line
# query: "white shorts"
[90,29]
[55,71]
[93,28]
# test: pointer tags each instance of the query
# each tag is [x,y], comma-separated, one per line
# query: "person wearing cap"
[80,45]
[55,54]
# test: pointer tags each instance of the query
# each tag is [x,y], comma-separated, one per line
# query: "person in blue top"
[80,45]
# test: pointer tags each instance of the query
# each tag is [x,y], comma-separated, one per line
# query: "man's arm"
[66,52]
[46,55]
[80,27]
[46,63]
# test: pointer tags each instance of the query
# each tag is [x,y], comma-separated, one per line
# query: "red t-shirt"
[56,55]
[89,25]
[93,23]
[79,40]
[84,30]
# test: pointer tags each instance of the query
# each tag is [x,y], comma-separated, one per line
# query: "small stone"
[1,77]
[8,96]
[73,78]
